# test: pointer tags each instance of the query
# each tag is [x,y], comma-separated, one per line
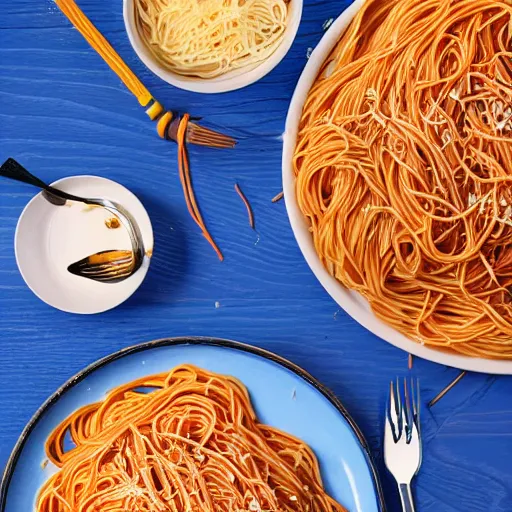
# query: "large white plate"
[353,303]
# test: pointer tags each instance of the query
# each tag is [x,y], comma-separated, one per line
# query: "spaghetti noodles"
[209,38]
[190,444]
[404,168]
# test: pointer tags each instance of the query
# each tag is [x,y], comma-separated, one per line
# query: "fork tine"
[415,394]
[417,418]
[400,407]
[85,266]
[391,399]
[107,264]
[206,141]
[197,134]
[98,267]
[418,406]
[408,409]
[413,399]
[197,129]
[114,269]
[393,412]
[111,276]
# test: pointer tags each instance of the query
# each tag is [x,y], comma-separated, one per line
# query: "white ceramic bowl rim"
[230,81]
[353,303]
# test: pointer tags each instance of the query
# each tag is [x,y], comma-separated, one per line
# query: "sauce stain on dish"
[112,223]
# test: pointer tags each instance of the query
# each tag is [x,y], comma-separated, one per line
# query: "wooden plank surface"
[62,112]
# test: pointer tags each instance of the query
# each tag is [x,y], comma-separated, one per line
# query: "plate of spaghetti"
[398,177]
[191,425]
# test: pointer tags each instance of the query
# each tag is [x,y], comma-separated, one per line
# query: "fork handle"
[15,171]
[406,497]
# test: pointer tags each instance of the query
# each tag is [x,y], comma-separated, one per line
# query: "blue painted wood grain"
[62,112]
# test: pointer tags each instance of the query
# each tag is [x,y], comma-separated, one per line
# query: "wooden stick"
[446,389]
[278,197]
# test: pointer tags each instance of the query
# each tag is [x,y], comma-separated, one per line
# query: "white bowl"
[352,302]
[49,238]
[230,81]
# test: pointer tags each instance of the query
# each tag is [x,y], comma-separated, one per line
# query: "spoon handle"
[15,171]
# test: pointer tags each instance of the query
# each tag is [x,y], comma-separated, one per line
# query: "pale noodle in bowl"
[209,38]
[403,168]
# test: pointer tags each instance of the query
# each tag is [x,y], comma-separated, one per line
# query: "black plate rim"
[187,340]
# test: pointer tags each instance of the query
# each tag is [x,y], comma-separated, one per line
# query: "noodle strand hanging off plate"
[190,443]
[404,168]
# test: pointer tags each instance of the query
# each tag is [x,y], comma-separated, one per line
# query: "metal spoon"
[114,266]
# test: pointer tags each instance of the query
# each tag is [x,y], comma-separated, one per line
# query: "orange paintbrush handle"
[94,37]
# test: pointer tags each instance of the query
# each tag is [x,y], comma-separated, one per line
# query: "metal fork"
[402,437]
[105,266]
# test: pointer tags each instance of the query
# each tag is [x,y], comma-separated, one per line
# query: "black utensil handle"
[406,497]
[15,171]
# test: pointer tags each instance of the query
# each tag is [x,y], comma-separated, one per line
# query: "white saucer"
[49,238]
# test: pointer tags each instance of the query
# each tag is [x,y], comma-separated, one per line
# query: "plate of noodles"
[193,424]
[398,177]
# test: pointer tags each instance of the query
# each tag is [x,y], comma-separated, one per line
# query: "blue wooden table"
[63,112]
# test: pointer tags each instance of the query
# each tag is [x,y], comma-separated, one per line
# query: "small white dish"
[352,302]
[49,238]
[230,81]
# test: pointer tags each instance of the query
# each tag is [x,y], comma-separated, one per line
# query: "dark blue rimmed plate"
[284,396]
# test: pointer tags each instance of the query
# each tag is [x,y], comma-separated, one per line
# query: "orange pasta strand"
[404,169]
[191,443]
[248,207]
[103,47]
[278,197]
[186,183]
